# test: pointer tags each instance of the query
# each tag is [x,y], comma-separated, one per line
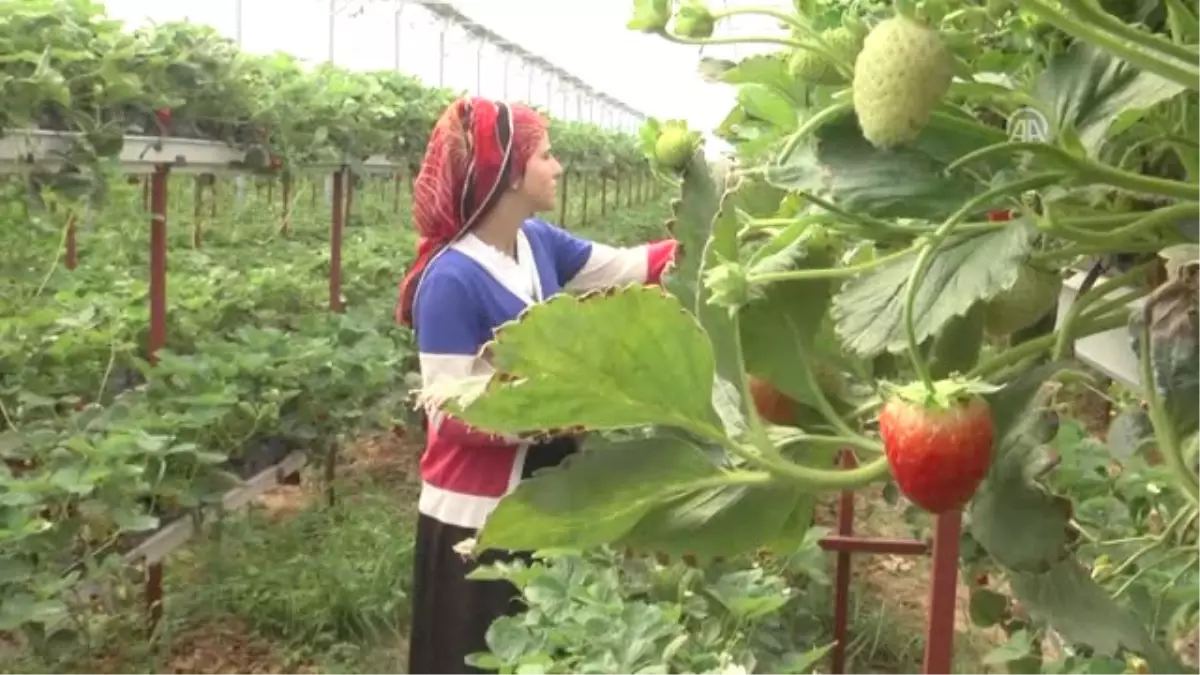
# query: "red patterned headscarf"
[476,149]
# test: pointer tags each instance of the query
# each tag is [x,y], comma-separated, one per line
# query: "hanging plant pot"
[1110,352]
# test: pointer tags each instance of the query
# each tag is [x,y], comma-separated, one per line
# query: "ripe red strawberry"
[939,446]
[773,405]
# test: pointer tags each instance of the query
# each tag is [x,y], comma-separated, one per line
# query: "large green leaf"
[869,311]
[838,164]
[725,521]
[764,69]
[1082,612]
[1020,524]
[614,359]
[595,497]
[1091,91]
[1024,529]
[691,225]
[706,227]
[764,103]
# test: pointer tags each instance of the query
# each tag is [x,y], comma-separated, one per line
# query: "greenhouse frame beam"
[444,10]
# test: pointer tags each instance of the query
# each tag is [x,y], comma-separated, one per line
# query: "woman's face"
[539,185]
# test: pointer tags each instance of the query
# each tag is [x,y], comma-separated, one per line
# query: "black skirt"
[450,613]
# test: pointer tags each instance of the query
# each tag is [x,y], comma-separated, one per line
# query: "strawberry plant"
[73,69]
[868,227]
[600,612]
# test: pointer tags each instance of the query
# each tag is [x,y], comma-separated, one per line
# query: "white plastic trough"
[1110,352]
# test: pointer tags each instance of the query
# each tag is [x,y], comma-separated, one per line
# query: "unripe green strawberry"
[694,20]
[844,42]
[902,72]
[815,68]
[674,148]
[650,16]
[1033,295]
[939,447]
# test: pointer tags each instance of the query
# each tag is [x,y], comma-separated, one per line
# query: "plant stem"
[1184,74]
[824,116]
[1144,221]
[810,380]
[762,452]
[1165,434]
[771,12]
[1096,16]
[826,273]
[1154,543]
[1087,326]
[1088,169]
[827,479]
[753,39]
[925,258]
[855,441]
[1085,300]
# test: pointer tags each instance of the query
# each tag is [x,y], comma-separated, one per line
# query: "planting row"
[73,69]
[101,449]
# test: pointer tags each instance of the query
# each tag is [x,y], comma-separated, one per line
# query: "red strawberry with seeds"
[938,444]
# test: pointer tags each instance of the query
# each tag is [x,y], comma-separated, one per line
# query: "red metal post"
[287,205]
[336,224]
[876,545]
[943,594]
[841,583]
[154,596]
[72,253]
[158,260]
[158,338]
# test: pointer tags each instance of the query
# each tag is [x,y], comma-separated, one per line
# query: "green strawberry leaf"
[643,358]
[762,69]
[838,164]
[598,496]
[706,227]
[724,521]
[767,104]
[1098,95]
[869,310]
[1083,612]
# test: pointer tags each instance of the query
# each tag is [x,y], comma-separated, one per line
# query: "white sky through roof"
[587,38]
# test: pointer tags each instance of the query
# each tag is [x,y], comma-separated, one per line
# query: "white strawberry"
[902,72]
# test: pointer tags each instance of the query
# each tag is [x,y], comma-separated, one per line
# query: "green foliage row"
[68,67]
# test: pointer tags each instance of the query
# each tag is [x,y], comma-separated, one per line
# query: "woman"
[482,258]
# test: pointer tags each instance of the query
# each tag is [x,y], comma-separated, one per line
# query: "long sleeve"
[450,333]
[584,265]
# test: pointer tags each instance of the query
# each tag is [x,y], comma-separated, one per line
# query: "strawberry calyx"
[947,394]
